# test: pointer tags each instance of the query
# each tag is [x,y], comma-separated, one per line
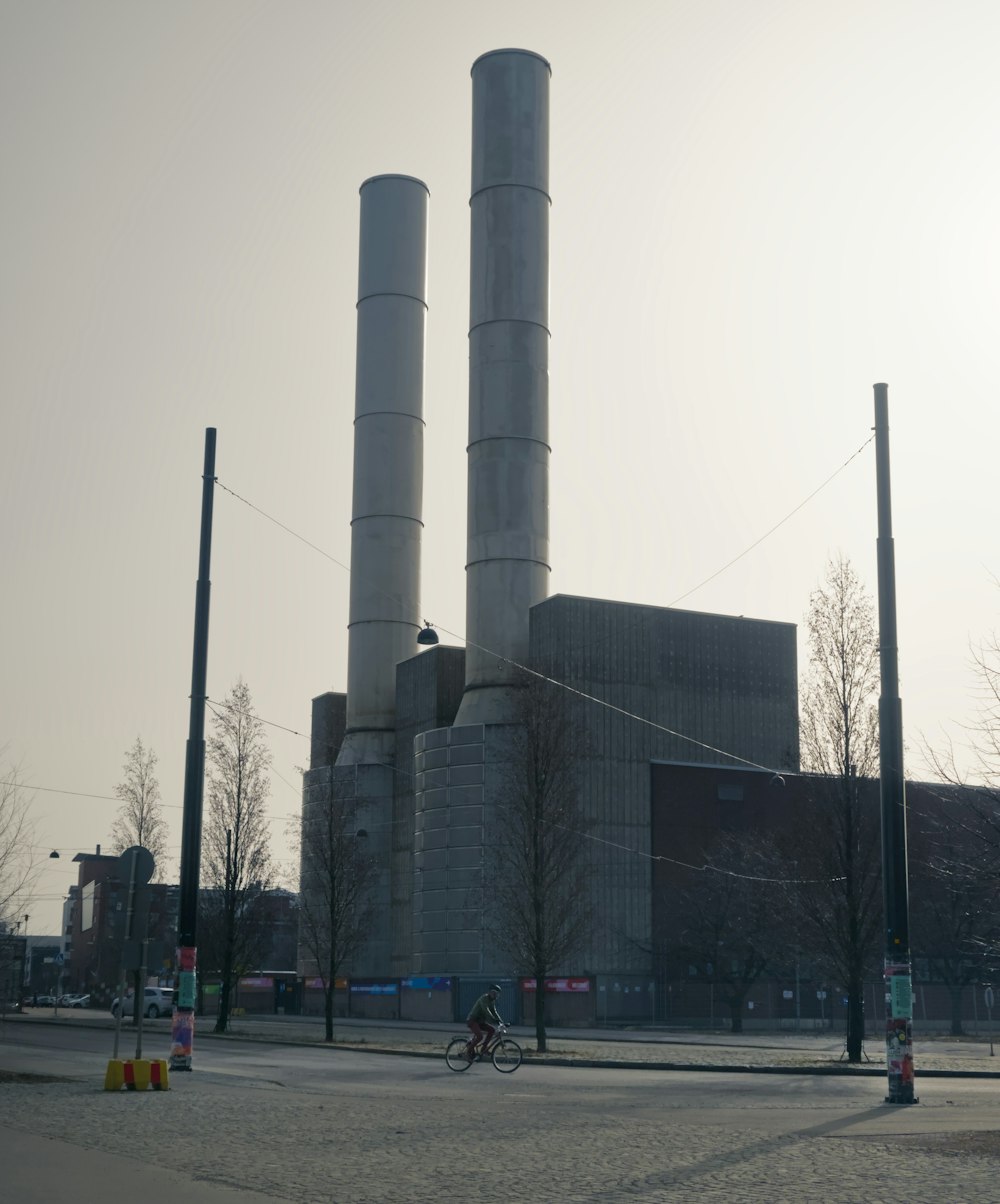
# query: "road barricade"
[137,1074]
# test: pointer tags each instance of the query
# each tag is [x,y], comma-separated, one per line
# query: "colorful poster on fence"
[559,986]
[374,988]
[432,983]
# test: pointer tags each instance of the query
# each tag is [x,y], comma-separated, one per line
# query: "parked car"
[159,1001]
[80,1001]
[69,999]
[42,1001]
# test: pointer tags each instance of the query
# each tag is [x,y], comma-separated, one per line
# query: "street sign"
[144,865]
[988,997]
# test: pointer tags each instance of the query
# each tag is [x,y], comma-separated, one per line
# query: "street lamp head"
[428,635]
[53,854]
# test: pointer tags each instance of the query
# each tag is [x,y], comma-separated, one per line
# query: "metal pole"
[182,1026]
[140,999]
[129,910]
[798,1005]
[895,888]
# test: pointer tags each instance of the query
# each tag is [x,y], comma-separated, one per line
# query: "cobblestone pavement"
[359,1128]
[430,1137]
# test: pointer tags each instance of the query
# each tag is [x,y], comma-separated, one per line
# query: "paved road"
[667,1048]
[261,1121]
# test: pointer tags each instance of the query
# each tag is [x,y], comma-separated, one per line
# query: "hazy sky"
[759,209]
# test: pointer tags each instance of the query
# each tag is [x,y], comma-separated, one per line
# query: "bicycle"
[504,1052]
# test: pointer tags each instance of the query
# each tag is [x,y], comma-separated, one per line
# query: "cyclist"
[483,1011]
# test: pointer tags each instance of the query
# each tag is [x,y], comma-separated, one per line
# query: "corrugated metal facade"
[428,690]
[653,685]
[718,684]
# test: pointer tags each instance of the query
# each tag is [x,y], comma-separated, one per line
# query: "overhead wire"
[582,694]
[513,664]
[729,564]
[555,681]
[705,865]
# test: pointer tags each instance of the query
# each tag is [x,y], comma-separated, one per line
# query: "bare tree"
[18,865]
[236,868]
[839,710]
[955,890]
[835,848]
[965,839]
[140,820]
[728,929]
[981,782]
[541,913]
[335,904]
[983,743]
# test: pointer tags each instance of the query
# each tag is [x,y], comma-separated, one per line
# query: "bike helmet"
[496,988]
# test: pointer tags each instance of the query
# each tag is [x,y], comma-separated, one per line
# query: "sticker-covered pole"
[895,886]
[182,1028]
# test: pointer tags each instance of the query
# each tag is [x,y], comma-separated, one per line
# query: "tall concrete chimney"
[388,460]
[508,523]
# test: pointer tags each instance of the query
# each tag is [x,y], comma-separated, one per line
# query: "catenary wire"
[555,681]
[781,523]
[520,667]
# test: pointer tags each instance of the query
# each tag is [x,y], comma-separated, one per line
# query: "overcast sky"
[759,210]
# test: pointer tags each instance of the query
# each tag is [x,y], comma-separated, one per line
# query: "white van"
[159,1001]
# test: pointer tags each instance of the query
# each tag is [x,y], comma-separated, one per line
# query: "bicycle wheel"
[455,1054]
[506,1055]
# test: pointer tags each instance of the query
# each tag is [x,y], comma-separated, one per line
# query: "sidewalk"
[659,1049]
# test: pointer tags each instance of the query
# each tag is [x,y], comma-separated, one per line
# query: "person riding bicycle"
[483,1011]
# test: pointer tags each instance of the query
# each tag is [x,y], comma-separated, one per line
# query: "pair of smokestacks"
[508,563]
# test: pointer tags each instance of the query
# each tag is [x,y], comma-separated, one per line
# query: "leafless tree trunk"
[727,919]
[955,902]
[236,866]
[18,863]
[335,905]
[140,820]
[965,839]
[540,911]
[836,847]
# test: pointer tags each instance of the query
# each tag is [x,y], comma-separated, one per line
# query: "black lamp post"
[895,886]
[182,1030]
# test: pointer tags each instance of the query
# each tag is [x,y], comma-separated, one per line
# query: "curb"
[617,1063]
[621,1064]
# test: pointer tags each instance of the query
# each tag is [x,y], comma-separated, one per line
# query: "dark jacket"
[484,1009]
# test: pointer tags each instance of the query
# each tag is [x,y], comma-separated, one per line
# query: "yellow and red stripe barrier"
[137,1074]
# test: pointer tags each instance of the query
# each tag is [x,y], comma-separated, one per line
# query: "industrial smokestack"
[508,543]
[388,459]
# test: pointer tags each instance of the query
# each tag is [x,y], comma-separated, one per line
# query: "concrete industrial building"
[417,739]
